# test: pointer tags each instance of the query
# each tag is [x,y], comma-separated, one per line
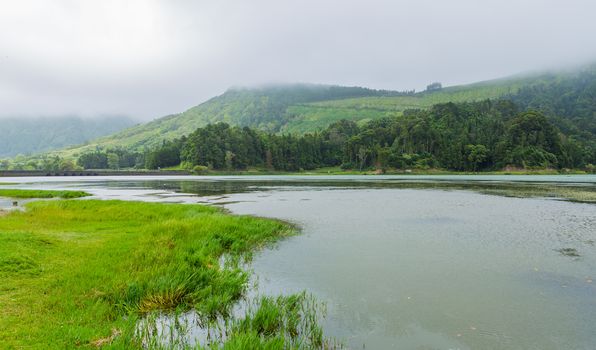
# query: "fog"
[149,58]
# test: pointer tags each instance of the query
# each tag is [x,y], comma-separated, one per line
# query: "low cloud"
[148,58]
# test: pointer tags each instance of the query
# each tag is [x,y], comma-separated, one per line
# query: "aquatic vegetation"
[80,273]
[584,194]
[572,252]
[284,322]
[262,322]
[15,193]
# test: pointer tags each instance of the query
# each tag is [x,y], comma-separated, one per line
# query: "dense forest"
[569,102]
[485,135]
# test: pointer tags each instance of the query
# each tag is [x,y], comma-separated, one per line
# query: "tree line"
[487,135]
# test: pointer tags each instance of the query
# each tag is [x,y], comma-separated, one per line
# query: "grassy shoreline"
[82,273]
[29,194]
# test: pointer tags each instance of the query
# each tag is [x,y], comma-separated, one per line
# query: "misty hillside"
[265,108]
[29,136]
[567,96]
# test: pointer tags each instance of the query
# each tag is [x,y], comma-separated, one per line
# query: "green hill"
[301,108]
[265,108]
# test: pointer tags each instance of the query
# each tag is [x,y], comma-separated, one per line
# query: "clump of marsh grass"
[291,321]
[264,322]
[15,193]
[571,252]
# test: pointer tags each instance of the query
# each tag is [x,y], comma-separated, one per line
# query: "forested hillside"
[296,108]
[36,135]
[302,108]
[569,99]
[447,119]
[485,135]
[262,108]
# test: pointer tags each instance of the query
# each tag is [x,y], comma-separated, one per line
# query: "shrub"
[200,170]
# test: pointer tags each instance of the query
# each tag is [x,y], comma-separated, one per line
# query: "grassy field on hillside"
[309,118]
[81,274]
[468,93]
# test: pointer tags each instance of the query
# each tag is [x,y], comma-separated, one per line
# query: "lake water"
[408,262]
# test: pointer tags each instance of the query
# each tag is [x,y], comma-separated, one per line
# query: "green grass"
[79,273]
[14,193]
[6,183]
[315,117]
[281,318]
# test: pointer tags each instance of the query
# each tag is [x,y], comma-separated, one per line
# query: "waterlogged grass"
[282,322]
[573,193]
[288,322]
[582,194]
[83,273]
[13,193]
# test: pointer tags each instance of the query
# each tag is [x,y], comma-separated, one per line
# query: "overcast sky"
[149,58]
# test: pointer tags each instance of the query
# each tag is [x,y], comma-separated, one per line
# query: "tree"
[67,165]
[475,155]
[362,154]
[533,141]
[229,158]
[166,155]
[434,86]
[93,160]
[113,161]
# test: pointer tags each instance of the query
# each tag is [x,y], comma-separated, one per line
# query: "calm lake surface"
[411,262]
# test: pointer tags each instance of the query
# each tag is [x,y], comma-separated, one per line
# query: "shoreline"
[255,172]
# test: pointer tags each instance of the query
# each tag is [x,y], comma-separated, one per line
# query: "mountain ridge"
[302,107]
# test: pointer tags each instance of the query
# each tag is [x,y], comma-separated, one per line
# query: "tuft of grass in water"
[572,252]
[283,322]
[14,193]
[82,273]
